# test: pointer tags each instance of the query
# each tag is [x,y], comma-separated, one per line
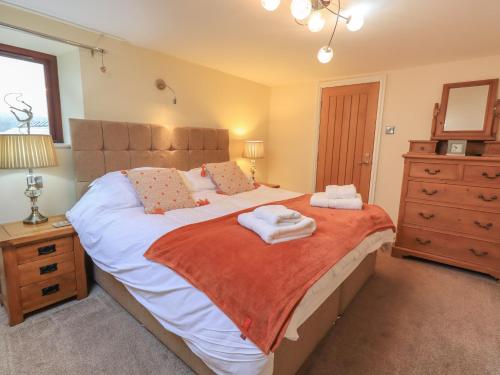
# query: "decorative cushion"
[229,178]
[160,189]
[196,182]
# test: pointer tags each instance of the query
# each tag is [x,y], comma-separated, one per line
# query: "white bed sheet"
[116,239]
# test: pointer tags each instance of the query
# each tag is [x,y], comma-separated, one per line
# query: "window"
[34,75]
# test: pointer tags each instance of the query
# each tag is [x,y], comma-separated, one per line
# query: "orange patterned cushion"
[229,178]
[160,189]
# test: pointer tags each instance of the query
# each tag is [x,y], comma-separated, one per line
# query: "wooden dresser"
[39,266]
[450,211]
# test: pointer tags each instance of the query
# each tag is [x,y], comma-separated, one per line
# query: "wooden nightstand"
[274,186]
[39,266]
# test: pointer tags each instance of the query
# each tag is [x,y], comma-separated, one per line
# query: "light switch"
[390,130]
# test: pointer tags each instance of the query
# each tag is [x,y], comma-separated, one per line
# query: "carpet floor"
[412,317]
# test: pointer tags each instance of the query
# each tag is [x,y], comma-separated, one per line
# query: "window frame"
[49,63]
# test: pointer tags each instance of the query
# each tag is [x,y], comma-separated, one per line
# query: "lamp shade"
[26,151]
[254,150]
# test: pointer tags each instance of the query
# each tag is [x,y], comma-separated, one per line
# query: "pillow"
[196,182]
[160,189]
[229,178]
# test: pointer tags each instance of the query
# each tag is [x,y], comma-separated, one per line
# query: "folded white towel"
[322,200]
[273,234]
[277,214]
[341,191]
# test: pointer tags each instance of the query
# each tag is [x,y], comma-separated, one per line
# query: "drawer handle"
[432,171]
[48,269]
[478,253]
[47,250]
[423,242]
[50,290]
[426,216]
[490,199]
[484,226]
[486,174]
[427,192]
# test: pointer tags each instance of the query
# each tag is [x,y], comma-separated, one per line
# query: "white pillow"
[196,182]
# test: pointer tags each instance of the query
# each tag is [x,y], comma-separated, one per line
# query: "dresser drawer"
[478,252]
[434,170]
[482,175]
[481,224]
[43,269]
[42,250]
[44,293]
[458,194]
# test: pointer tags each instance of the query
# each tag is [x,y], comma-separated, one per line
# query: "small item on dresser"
[322,200]
[457,147]
[61,224]
[341,191]
[277,214]
[273,234]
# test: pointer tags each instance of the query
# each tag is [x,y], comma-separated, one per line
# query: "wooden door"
[346,136]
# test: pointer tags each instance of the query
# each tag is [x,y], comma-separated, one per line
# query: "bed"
[193,328]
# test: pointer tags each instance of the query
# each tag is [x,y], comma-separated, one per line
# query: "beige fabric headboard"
[100,147]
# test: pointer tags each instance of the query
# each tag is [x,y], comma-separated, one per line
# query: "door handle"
[366,159]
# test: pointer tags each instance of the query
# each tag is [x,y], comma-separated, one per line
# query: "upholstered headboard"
[100,147]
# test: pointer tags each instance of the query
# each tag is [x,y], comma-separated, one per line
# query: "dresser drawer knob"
[423,242]
[486,199]
[50,290]
[48,269]
[44,250]
[478,253]
[432,171]
[427,192]
[483,226]
[426,216]
[487,175]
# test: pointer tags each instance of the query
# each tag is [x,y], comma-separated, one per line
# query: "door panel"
[347,133]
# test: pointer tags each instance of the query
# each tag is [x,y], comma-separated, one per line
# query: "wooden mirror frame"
[490,121]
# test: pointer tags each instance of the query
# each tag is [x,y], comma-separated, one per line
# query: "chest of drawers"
[39,265]
[450,211]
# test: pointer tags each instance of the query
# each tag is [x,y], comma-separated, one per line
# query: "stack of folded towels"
[276,223]
[338,196]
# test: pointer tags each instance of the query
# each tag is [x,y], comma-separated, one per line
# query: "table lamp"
[253,150]
[28,152]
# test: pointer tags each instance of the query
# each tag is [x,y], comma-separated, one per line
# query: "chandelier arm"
[338,14]
[335,27]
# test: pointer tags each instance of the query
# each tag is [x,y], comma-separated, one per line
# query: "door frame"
[381,79]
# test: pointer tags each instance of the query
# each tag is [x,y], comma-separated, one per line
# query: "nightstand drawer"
[44,293]
[47,268]
[42,250]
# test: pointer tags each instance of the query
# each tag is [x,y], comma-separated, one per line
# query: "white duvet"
[115,232]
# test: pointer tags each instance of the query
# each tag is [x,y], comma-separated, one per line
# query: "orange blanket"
[259,285]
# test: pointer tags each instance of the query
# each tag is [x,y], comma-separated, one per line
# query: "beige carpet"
[413,317]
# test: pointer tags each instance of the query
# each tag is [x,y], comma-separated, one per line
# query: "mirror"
[467,111]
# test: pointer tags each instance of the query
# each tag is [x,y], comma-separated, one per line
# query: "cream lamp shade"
[26,151]
[253,150]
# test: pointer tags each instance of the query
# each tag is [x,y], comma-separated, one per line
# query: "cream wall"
[126,93]
[409,99]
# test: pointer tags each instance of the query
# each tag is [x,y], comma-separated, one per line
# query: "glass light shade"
[316,22]
[301,9]
[27,151]
[325,54]
[356,22]
[253,150]
[270,5]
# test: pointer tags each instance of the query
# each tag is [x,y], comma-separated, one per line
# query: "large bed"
[178,314]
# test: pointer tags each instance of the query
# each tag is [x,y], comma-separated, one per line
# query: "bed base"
[290,355]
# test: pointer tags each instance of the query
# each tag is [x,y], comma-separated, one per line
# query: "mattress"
[116,239]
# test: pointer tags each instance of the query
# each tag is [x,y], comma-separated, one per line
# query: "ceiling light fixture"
[311,12]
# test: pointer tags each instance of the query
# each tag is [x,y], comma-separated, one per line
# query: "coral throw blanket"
[257,285]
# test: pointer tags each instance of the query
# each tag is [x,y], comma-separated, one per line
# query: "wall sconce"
[161,85]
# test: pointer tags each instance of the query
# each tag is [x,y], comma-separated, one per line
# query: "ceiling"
[241,38]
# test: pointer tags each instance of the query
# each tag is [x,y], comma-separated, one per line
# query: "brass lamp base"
[35,218]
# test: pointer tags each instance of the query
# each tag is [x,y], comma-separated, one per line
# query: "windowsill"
[64,146]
